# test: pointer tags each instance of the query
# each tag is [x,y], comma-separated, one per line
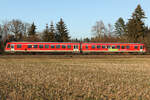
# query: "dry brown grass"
[74,79]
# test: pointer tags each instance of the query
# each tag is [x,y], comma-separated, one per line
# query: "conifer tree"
[46,34]
[52,33]
[32,29]
[62,32]
[120,27]
[135,26]
[32,36]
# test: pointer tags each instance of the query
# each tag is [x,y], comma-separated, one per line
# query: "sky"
[79,15]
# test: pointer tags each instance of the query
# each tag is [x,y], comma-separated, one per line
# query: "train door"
[76,48]
[12,47]
[141,48]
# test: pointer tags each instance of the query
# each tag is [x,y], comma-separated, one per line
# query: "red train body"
[73,47]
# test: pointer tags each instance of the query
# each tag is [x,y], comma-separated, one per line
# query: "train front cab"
[10,47]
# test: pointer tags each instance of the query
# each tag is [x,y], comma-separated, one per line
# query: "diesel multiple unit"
[73,47]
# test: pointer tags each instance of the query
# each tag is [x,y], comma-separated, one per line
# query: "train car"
[113,47]
[13,47]
[58,47]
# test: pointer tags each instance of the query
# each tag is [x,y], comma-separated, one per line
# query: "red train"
[73,47]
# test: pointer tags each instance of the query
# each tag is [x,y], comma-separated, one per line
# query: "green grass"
[32,78]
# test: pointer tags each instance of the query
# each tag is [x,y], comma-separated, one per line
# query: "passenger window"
[93,46]
[29,46]
[63,46]
[118,46]
[108,46]
[35,46]
[52,46]
[122,47]
[86,46]
[98,46]
[19,45]
[69,46]
[46,46]
[113,47]
[8,46]
[135,47]
[57,46]
[40,46]
[103,46]
[128,47]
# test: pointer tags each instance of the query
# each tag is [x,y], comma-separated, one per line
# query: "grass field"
[78,78]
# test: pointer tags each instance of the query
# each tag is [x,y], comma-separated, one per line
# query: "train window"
[122,47]
[76,47]
[52,46]
[40,46]
[63,46]
[29,46]
[93,46]
[98,46]
[113,47]
[118,46]
[8,46]
[128,47]
[108,46]
[141,47]
[46,46]
[86,46]
[103,46]
[35,46]
[57,46]
[19,45]
[135,47]
[12,45]
[68,46]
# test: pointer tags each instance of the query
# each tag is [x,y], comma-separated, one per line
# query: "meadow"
[74,78]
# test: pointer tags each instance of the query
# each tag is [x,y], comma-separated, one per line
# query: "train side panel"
[42,47]
[113,47]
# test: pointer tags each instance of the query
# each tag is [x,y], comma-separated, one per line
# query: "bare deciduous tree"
[18,28]
[99,29]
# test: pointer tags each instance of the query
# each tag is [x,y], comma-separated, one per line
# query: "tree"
[120,27]
[99,29]
[52,33]
[110,30]
[32,36]
[46,34]
[135,26]
[86,39]
[18,28]
[3,35]
[31,30]
[0,40]
[1,32]
[62,32]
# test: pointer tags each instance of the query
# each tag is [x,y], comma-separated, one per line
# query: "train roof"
[73,42]
[111,43]
[42,42]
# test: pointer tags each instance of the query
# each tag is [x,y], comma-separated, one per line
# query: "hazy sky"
[79,15]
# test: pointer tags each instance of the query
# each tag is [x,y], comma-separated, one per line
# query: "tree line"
[16,30]
[132,31]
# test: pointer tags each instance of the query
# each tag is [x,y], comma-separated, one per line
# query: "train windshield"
[8,46]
